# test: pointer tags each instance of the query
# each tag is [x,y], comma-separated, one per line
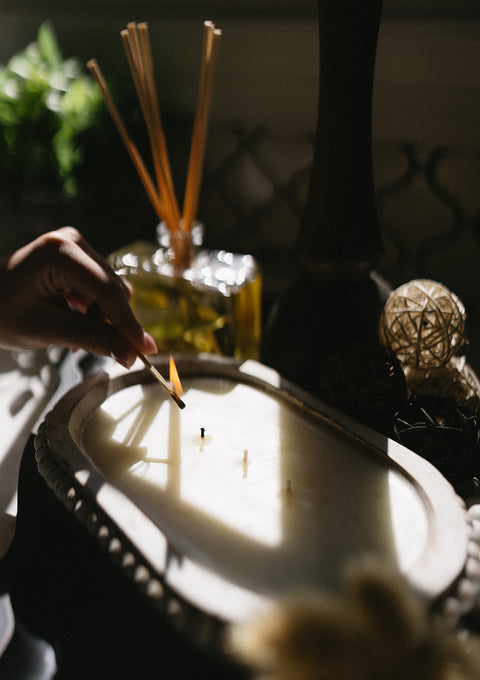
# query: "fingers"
[70,243]
[53,289]
[83,278]
[72,234]
[79,331]
[101,337]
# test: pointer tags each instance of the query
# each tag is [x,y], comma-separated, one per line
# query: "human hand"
[58,291]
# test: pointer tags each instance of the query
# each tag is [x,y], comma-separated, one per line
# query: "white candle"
[312,499]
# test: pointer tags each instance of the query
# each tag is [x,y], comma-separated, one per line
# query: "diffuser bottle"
[191,299]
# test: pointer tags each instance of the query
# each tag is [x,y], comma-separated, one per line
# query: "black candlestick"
[339,239]
[335,300]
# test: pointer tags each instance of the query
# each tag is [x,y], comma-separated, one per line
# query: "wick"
[202,432]
[245,463]
[288,493]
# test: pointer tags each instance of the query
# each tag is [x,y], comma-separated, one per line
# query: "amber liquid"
[212,307]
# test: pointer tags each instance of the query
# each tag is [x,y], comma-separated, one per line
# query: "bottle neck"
[181,245]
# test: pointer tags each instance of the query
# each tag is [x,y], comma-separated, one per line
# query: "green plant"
[47,106]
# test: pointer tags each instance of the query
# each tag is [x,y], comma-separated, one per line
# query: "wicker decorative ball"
[456,381]
[423,324]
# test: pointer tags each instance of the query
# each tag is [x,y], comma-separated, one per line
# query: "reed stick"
[137,48]
[136,41]
[159,136]
[211,44]
[132,58]
[138,75]
[142,171]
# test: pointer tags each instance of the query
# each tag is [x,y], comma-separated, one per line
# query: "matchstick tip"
[177,400]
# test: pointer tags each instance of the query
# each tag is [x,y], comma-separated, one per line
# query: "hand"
[58,291]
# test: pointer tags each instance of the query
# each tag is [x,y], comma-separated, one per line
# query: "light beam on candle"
[207,492]
[174,437]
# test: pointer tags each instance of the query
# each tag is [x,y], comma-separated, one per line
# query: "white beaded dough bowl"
[253,491]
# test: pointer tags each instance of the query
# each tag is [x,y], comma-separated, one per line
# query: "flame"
[174,378]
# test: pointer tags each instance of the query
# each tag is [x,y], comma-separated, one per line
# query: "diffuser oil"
[211,305]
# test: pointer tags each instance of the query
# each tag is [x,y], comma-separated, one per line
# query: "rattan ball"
[456,381]
[423,324]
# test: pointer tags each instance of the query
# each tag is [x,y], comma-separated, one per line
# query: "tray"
[279,494]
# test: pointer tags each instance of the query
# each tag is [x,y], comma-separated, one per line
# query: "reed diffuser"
[188,298]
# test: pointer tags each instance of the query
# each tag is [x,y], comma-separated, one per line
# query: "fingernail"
[77,303]
[124,356]
[149,343]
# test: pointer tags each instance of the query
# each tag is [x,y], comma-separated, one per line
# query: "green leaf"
[48,45]
[81,103]
[47,108]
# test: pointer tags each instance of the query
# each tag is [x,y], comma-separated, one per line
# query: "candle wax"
[271,498]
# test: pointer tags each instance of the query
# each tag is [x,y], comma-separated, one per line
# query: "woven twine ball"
[423,324]
[456,381]
[365,380]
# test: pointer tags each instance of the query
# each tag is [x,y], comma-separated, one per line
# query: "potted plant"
[49,107]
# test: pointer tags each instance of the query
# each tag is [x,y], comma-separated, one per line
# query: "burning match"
[174,379]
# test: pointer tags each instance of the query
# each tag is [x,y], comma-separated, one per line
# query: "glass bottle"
[191,299]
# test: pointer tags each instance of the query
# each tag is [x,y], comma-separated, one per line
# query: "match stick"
[158,376]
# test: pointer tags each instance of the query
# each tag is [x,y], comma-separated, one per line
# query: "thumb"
[79,331]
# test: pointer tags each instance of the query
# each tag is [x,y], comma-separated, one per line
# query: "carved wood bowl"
[279,494]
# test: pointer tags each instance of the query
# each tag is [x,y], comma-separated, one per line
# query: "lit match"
[174,379]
